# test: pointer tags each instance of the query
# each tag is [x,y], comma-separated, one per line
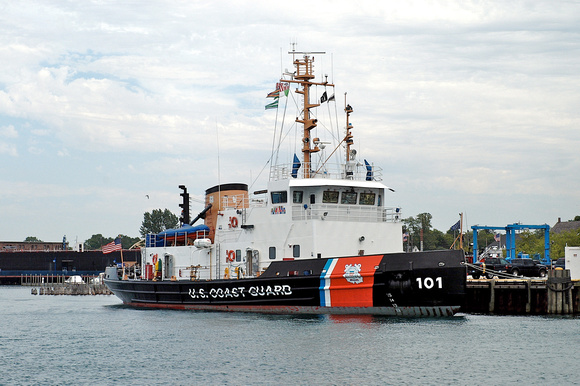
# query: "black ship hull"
[403,284]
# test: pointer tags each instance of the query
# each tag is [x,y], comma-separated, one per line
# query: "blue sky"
[468,106]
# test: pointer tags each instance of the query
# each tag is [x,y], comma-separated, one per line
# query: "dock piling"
[560,292]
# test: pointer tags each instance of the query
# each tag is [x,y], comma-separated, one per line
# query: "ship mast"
[303,76]
[348,137]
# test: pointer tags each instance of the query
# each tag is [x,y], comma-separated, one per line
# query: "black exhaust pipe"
[201,214]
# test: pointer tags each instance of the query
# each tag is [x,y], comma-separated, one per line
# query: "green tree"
[32,239]
[452,240]
[484,238]
[530,242]
[441,240]
[127,241]
[558,242]
[432,238]
[158,221]
[425,221]
[97,241]
[412,227]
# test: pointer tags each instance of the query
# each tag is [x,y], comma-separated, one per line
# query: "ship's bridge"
[323,199]
[340,200]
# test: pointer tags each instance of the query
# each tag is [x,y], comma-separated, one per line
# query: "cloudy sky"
[469,106]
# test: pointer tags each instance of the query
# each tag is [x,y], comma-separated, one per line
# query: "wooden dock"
[555,295]
[58,285]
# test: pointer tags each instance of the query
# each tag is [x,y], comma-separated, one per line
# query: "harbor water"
[96,340]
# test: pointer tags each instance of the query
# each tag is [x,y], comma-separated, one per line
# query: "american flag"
[113,246]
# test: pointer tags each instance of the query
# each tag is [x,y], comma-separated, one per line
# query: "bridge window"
[297,196]
[348,198]
[367,199]
[238,255]
[329,197]
[279,197]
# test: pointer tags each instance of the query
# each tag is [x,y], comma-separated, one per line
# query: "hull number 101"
[428,282]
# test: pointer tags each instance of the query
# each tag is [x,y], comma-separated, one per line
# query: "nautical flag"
[405,236]
[455,226]
[497,237]
[324,97]
[273,105]
[274,94]
[369,171]
[113,246]
[331,98]
[295,167]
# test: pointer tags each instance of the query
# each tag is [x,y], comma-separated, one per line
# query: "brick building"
[32,246]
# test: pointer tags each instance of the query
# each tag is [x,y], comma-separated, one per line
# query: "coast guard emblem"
[352,273]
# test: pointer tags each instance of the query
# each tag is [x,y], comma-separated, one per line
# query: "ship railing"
[179,239]
[236,201]
[393,214]
[352,213]
[353,171]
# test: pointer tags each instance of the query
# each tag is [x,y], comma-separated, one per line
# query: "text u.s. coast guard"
[236,292]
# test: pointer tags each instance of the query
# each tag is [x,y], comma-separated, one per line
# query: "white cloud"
[8,132]
[8,149]
[463,103]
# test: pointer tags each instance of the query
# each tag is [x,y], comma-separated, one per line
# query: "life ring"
[231,255]
[155,259]
[233,222]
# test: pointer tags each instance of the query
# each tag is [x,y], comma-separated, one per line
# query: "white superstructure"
[293,219]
